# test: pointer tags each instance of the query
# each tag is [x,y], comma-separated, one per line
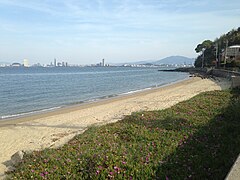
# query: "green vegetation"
[195,139]
[213,49]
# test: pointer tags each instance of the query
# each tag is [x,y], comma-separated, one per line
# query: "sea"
[25,91]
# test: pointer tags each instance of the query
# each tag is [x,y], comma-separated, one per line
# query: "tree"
[207,52]
[210,53]
[205,44]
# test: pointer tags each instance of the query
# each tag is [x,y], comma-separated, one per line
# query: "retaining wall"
[231,75]
[224,73]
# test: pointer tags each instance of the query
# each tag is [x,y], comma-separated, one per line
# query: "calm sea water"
[28,90]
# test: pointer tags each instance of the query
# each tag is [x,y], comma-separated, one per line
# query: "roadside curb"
[235,170]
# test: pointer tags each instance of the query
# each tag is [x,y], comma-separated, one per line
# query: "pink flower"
[97,172]
[116,169]
[124,162]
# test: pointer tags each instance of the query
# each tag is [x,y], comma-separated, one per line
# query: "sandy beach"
[53,129]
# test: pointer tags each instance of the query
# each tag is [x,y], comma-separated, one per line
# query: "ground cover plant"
[195,139]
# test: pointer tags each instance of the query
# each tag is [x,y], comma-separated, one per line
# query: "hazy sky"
[85,31]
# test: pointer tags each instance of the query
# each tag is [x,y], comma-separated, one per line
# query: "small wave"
[29,113]
[135,91]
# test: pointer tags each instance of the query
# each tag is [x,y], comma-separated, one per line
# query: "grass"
[195,139]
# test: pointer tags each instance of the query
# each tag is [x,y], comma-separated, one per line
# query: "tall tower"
[25,63]
[103,64]
[55,62]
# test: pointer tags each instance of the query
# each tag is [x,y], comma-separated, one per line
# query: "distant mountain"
[168,60]
[131,63]
[143,62]
[175,60]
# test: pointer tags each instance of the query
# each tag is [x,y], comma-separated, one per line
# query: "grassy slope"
[198,139]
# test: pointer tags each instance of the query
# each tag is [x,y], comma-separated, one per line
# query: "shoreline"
[53,129]
[24,115]
[30,99]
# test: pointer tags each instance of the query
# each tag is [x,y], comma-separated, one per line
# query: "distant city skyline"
[85,32]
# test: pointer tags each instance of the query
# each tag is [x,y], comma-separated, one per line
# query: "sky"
[86,31]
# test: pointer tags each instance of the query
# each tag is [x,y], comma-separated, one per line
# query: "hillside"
[175,60]
[167,60]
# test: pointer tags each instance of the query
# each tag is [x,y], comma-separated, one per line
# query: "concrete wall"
[235,171]
[235,81]
[235,78]
[224,73]
[231,75]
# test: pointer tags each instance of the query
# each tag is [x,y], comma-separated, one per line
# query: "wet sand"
[53,129]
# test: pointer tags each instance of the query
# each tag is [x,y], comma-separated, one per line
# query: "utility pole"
[203,49]
[216,54]
[225,54]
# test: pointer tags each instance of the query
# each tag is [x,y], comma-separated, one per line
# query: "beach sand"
[53,129]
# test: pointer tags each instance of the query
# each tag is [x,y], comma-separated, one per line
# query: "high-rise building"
[103,63]
[25,63]
[55,62]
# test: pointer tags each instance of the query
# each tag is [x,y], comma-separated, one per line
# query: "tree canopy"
[204,45]
[214,49]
